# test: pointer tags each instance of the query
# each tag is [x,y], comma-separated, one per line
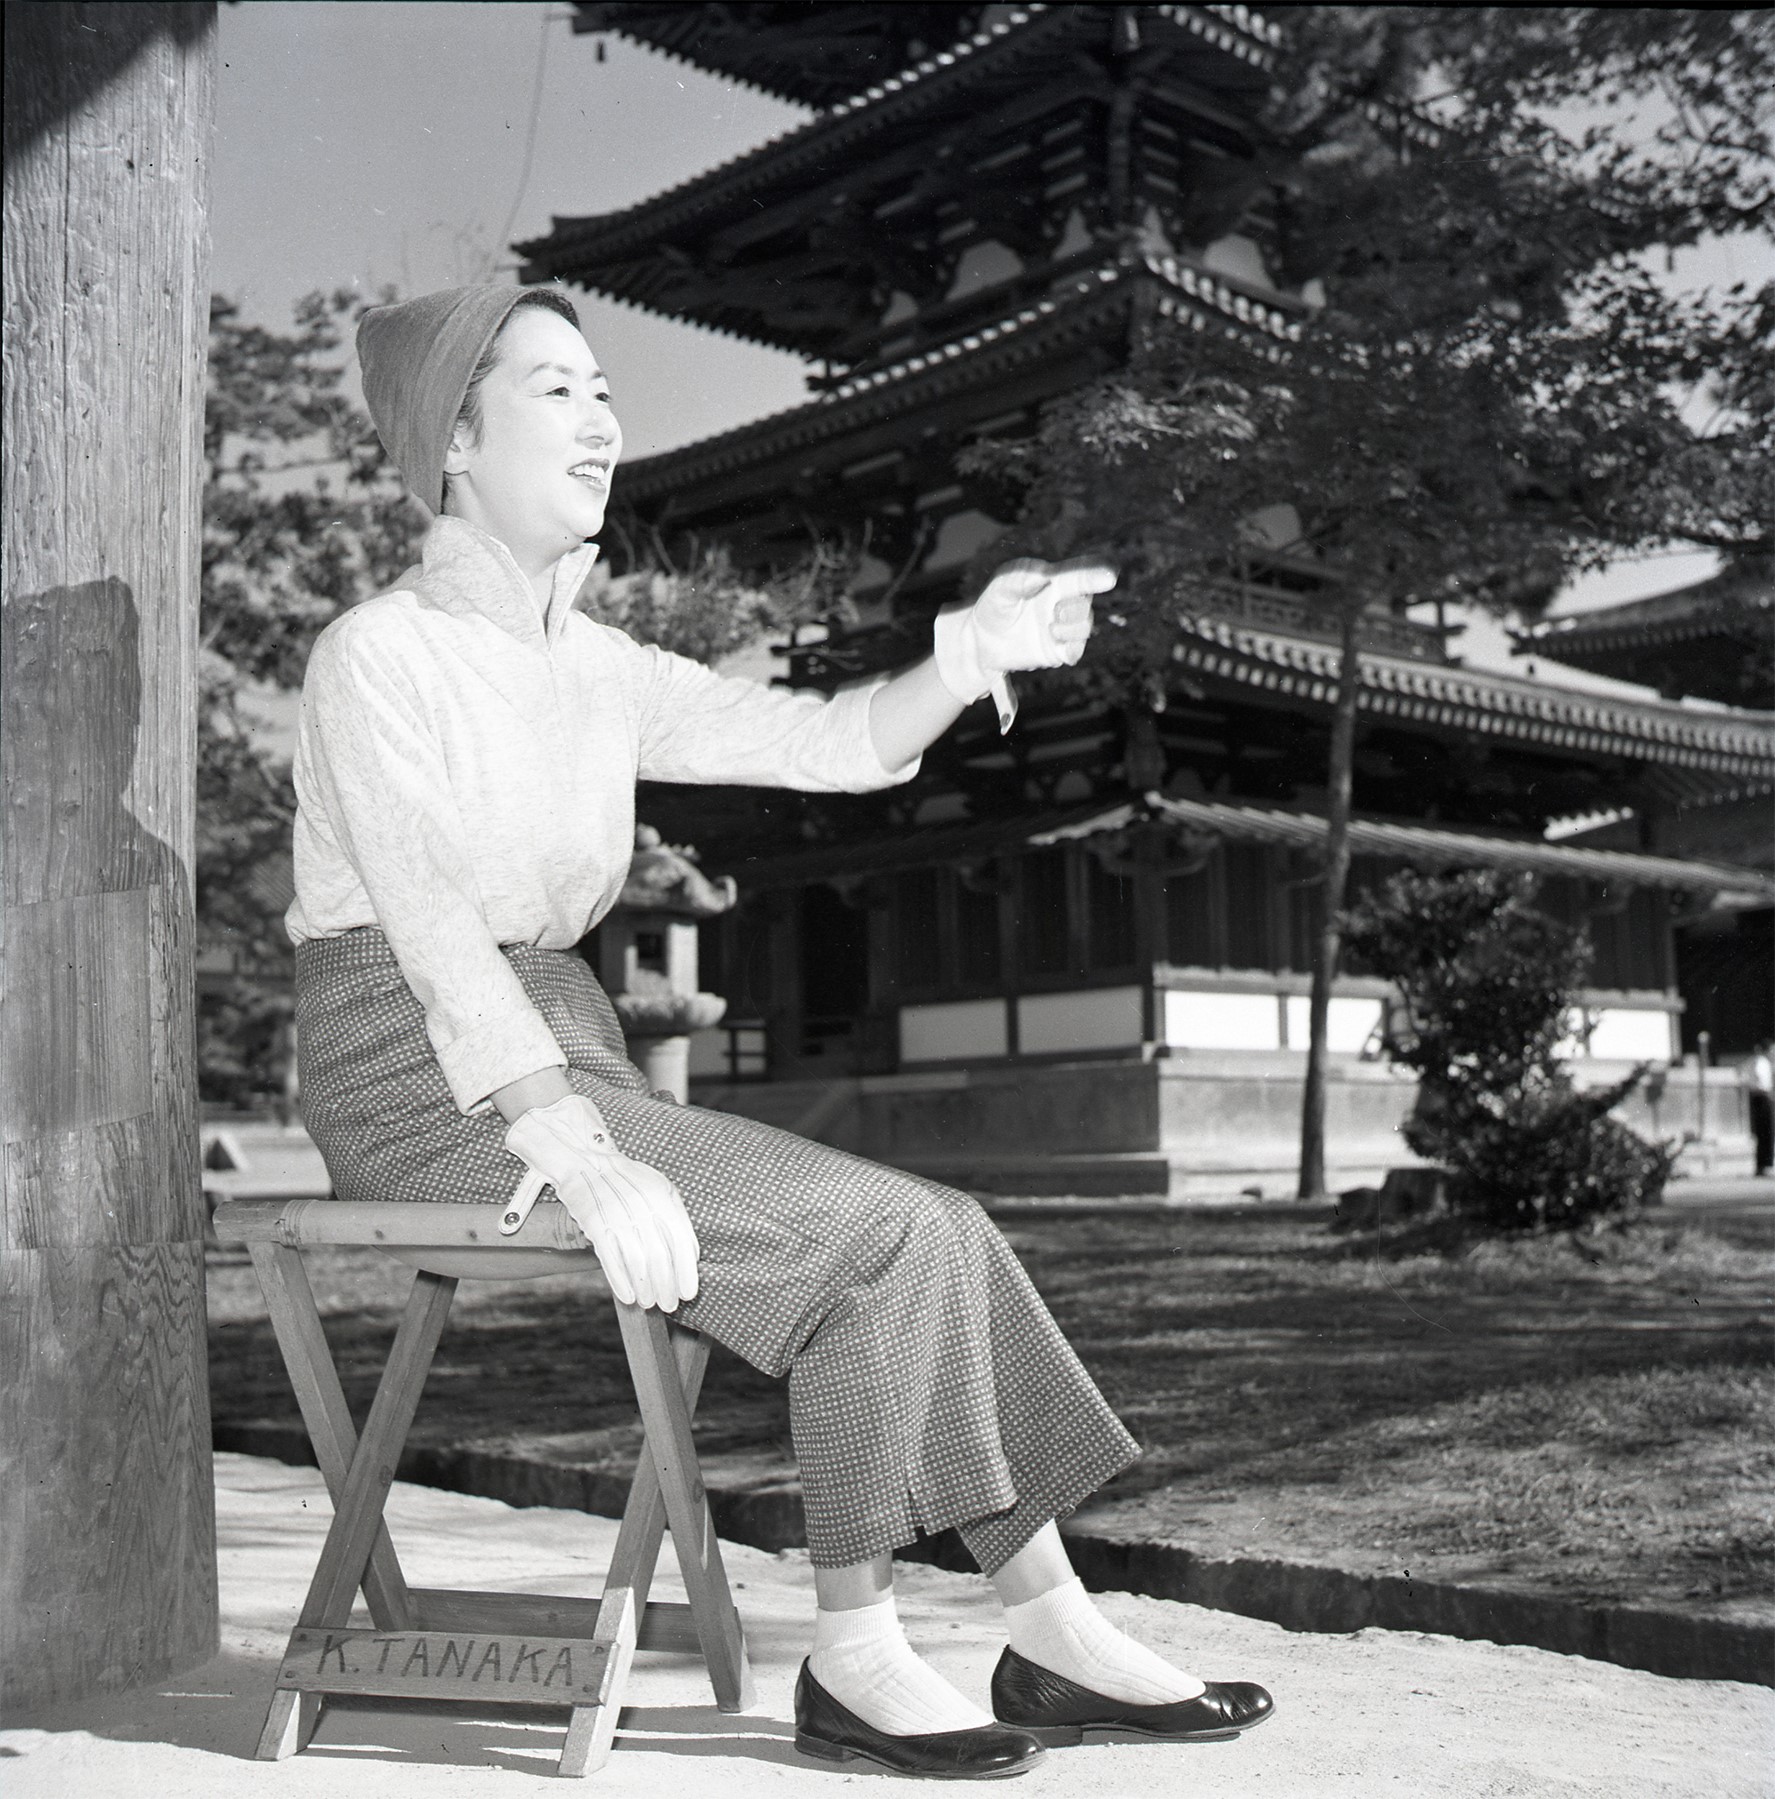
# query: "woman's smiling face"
[537,476]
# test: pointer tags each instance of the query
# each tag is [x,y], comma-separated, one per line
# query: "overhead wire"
[500,241]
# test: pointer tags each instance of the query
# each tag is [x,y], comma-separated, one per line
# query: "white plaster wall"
[1349,1024]
[1100,1018]
[954,1031]
[1632,1034]
[1222,1020]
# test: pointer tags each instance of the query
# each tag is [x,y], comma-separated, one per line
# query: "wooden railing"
[1267,608]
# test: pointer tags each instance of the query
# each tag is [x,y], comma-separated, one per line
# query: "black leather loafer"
[826,1729]
[1059,1711]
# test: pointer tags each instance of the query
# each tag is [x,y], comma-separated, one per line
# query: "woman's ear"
[456,456]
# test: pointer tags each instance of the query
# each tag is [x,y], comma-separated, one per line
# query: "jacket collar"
[467,573]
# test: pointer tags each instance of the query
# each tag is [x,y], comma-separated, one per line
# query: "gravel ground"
[1376,1712]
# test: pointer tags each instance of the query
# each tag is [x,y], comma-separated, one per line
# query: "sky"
[366,144]
[360,145]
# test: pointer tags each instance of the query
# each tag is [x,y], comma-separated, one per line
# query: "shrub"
[1487,983]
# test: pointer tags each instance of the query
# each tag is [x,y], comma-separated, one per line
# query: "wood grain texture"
[395,1224]
[107,1570]
[107,1559]
[668,1625]
[416,1664]
[76,1045]
[72,1188]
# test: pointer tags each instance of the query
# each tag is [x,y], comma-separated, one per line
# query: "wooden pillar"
[107,1553]
[783,1011]
[1150,934]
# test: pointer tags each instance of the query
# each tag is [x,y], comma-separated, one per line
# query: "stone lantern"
[647,949]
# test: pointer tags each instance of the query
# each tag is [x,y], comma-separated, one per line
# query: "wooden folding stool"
[500,1648]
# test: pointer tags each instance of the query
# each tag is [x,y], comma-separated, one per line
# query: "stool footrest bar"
[664,1626]
[427,1664]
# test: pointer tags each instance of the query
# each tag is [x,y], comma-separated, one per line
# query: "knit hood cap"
[417,357]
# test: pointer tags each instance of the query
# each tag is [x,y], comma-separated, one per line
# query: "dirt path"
[1375,1713]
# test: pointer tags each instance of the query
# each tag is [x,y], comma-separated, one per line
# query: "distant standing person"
[465,772]
[1760,1078]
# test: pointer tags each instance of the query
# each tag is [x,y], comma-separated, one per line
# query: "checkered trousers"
[928,1386]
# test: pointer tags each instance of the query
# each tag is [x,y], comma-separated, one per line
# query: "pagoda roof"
[820,55]
[1719,750]
[807,53]
[1715,622]
[1420,845]
[635,254]
[1087,304]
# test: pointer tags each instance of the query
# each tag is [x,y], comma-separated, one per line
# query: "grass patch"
[1588,1416]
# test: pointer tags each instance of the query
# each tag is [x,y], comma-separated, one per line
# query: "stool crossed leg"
[667,1489]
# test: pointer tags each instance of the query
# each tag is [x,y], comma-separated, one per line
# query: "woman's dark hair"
[468,414]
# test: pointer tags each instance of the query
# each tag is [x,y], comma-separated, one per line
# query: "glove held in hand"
[631,1214]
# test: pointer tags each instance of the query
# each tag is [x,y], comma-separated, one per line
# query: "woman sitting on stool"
[466,776]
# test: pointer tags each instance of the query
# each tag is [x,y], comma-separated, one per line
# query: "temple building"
[1713,642]
[1076,958]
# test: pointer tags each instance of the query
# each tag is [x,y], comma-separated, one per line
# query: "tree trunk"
[1337,874]
[107,1559]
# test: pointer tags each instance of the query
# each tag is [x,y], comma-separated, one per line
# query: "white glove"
[630,1213]
[1031,615]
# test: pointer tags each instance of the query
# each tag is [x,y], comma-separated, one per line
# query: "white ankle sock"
[861,1657]
[1063,1631]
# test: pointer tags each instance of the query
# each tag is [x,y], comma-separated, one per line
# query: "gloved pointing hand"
[631,1214]
[1031,614]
